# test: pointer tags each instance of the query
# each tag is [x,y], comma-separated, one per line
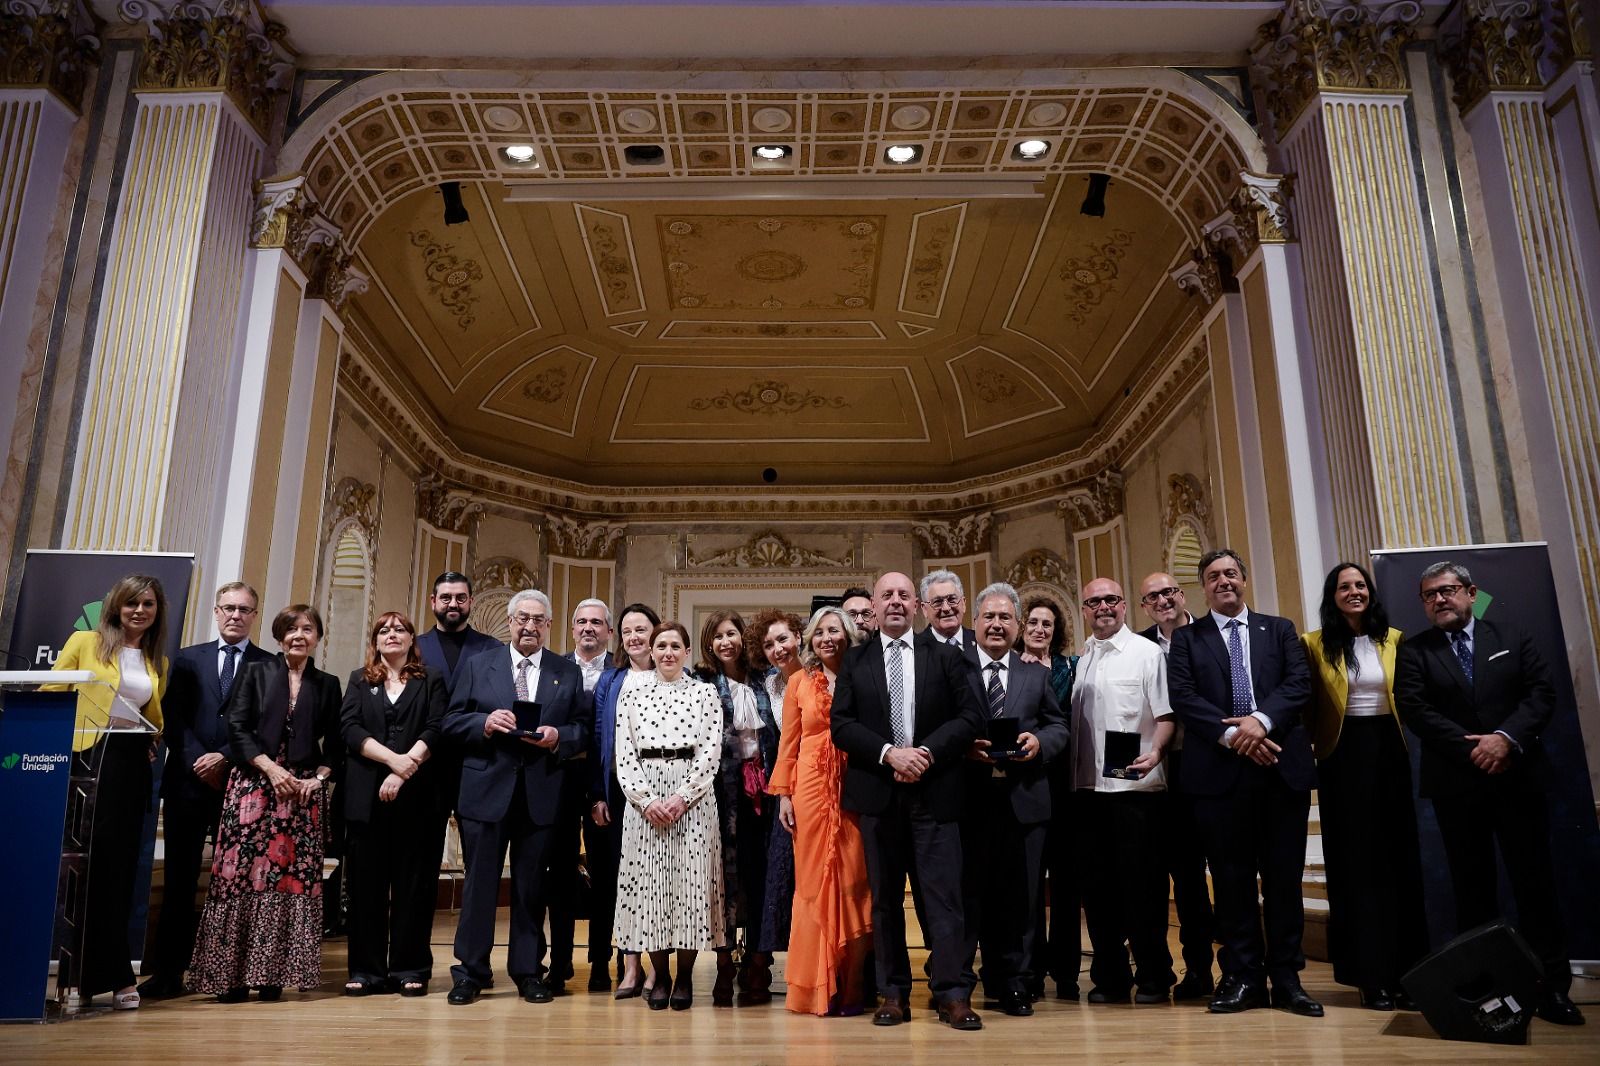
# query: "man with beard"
[944,606]
[857,603]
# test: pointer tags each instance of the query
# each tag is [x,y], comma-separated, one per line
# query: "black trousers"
[1060,948]
[754,832]
[1125,890]
[186,823]
[1258,829]
[563,881]
[1377,929]
[122,799]
[906,836]
[1184,845]
[1519,821]
[602,849]
[1001,880]
[393,890]
[484,845]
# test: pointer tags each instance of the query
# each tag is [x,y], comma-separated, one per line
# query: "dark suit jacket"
[1028,698]
[1511,691]
[490,766]
[196,717]
[256,716]
[368,715]
[1200,688]
[948,719]
[432,653]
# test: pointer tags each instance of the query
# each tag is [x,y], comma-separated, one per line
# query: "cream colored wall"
[1185,444]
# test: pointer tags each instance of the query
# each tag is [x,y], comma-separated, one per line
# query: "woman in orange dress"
[831,929]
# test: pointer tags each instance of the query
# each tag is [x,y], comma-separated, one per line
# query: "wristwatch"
[323,778]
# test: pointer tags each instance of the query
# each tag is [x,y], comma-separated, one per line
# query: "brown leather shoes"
[893,1011]
[958,1014]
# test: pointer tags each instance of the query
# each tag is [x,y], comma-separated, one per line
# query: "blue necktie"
[1236,673]
[230,653]
[1463,652]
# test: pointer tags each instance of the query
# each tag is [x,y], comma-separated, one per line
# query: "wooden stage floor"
[326,1027]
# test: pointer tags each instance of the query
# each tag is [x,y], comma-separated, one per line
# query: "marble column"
[1337,92]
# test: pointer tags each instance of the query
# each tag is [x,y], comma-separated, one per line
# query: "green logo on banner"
[88,618]
[10,760]
[1480,603]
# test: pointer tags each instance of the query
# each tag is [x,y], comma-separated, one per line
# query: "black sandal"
[359,987]
[414,988]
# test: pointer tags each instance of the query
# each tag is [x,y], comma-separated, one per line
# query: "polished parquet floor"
[326,1027]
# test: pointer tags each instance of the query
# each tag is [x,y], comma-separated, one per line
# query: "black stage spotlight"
[1095,203]
[454,210]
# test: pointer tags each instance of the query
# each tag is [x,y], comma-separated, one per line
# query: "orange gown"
[832,897]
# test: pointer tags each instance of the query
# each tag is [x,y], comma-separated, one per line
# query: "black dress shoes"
[958,1014]
[462,993]
[1377,999]
[1101,995]
[1233,996]
[535,990]
[892,1011]
[1559,1009]
[1067,992]
[599,978]
[1293,999]
[1017,1004]
[162,986]
[1193,986]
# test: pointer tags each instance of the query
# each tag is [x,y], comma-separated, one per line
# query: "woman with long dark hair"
[390,721]
[1376,926]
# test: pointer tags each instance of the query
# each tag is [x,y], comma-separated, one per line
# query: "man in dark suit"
[904,713]
[511,789]
[1478,694]
[1007,809]
[1166,605]
[198,761]
[944,607]
[1240,683]
[452,641]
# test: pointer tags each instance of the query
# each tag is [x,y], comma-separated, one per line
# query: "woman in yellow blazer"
[124,652]
[1376,926]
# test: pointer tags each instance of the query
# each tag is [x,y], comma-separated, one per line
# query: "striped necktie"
[997,692]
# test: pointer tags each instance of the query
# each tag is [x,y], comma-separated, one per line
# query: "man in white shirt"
[944,607]
[1121,725]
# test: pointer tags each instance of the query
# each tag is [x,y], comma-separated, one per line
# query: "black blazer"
[1511,690]
[196,717]
[256,716]
[948,719]
[431,650]
[1029,698]
[1200,687]
[490,766]
[368,715]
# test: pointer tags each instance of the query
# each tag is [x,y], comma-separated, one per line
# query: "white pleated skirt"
[669,887]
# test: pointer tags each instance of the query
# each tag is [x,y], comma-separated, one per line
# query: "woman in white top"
[1376,926]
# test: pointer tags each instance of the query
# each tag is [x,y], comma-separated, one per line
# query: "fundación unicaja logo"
[88,617]
[10,761]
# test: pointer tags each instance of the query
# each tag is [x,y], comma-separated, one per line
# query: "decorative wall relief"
[505,572]
[1041,566]
[1186,501]
[1093,502]
[962,536]
[50,43]
[1316,45]
[577,538]
[445,507]
[355,500]
[769,550]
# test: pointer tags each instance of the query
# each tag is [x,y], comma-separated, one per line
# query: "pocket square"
[1497,655]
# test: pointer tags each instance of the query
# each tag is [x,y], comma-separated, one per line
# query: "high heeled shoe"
[629,991]
[682,993]
[722,991]
[659,996]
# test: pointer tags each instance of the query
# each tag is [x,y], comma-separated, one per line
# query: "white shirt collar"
[1117,640]
[885,638]
[243,645]
[984,658]
[534,660]
[1222,620]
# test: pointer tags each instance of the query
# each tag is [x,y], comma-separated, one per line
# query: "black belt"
[666,753]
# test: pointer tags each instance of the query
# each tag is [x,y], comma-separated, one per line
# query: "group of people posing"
[771,787]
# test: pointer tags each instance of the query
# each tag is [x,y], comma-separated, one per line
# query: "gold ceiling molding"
[1317,45]
[213,44]
[950,539]
[443,506]
[768,550]
[1094,502]
[580,539]
[1494,46]
[50,44]
[503,572]
[354,500]
[1041,566]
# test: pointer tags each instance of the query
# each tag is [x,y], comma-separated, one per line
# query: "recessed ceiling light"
[772,151]
[518,153]
[901,154]
[1030,149]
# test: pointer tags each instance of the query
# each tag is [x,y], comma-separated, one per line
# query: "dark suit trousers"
[1186,863]
[602,849]
[186,822]
[393,890]
[1125,889]
[1258,828]
[1062,955]
[484,846]
[904,837]
[1002,861]
[1519,821]
[563,882]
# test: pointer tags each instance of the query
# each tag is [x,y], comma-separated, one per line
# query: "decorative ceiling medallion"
[771,266]
[909,117]
[449,277]
[1049,113]
[636,119]
[771,119]
[767,263]
[769,397]
[502,118]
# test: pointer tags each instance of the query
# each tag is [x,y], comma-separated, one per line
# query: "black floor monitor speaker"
[1484,985]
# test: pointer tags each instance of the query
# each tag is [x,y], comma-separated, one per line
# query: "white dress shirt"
[533,670]
[908,664]
[592,669]
[1222,621]
[1121,686]
[984,659]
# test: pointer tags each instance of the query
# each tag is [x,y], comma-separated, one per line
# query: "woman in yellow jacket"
[1376,926]
[124,652]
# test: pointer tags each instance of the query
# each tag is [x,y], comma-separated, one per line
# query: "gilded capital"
[50,44]
[212,44]
[1317,45]
[287,217]
[1261,208]
[1503,45]
[1200,275]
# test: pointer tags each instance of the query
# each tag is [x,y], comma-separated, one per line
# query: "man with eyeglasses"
[1478,694]
[197,768]
[944,607]
[1121,725]
[857,603]
[1238,678]
[512,781]
[1167,607]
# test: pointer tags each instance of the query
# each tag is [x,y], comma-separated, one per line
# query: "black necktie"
[230,653]
[997,693]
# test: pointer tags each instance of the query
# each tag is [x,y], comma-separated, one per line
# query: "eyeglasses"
[529,619]
[454,597]
[1171,592]
[943,601]
[234,608]
[1440,592]
[856,616]
[1102,601]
